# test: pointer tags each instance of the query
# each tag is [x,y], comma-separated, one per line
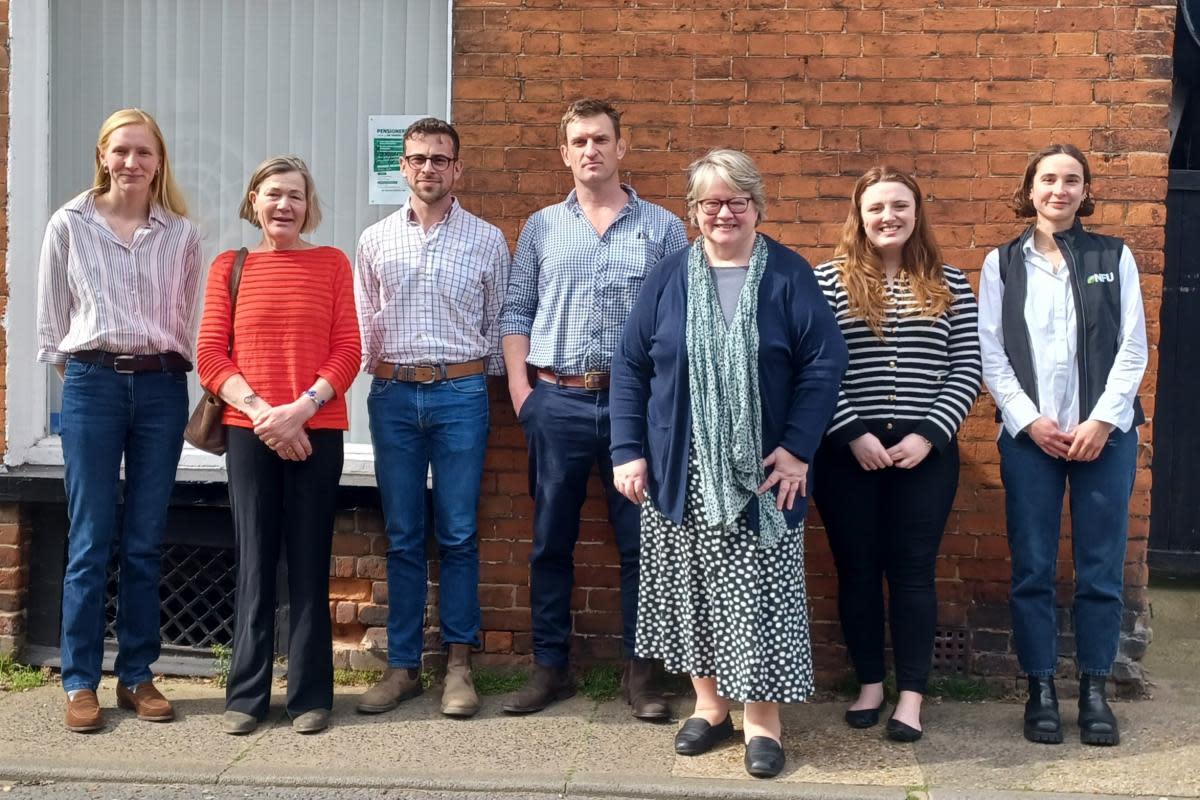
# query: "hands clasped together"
[281,428]
[906,454]
[1082,444]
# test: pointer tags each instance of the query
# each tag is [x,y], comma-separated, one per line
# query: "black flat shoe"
[1042,723]
[697,736]
[1097,723]
[865,717]
[897,731]
[764,757]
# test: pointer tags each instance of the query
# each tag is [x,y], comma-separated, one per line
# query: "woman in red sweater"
[294,352]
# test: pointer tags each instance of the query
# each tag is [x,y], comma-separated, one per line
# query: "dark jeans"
[289,504]
[414,427]
[106,416]
[1034,484]
[886,523]
[567,431]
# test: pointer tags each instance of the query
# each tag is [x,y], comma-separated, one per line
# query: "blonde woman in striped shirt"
[887,470]
[117,283]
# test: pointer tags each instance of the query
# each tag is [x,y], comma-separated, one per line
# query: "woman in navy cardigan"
[721,389]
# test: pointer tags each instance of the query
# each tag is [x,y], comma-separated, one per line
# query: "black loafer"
[764,757]
[897,731]
[697,736]
[865,717]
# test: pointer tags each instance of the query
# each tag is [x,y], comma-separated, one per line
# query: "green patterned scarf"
[726,407]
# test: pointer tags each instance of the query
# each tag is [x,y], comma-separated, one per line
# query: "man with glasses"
[429,282]
[577,270]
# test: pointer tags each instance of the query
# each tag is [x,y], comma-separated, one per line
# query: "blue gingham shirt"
[571,289]
[430,297]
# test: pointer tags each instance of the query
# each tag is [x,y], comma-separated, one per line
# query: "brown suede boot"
[396,685]
[458,695]
[547,685]
[636,687]
[83,713]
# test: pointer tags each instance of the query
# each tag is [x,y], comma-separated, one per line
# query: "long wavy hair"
[861,267]
[163,189]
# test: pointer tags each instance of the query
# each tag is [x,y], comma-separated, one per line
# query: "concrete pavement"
[584,748]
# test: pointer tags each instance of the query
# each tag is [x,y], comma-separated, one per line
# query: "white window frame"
[26,416]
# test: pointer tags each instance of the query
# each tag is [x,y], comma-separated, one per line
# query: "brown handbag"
[205,430]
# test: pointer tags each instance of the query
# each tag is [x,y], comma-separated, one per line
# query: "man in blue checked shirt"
[429,282]
[578,268]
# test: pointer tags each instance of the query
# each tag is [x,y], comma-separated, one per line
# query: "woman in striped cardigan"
[887,471]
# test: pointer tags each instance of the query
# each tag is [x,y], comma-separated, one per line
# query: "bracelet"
[311,394]
[928,443]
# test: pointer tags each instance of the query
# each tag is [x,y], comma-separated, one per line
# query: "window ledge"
[45,459]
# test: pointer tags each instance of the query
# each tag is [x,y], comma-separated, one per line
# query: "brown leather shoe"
[396,685]
[459,698]
[547,685]
[147,701]
[83,713]
[637,689]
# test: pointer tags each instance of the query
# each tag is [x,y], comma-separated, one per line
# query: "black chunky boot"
[1097,723]
[1042,723]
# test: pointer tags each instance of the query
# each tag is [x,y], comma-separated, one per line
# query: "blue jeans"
[104,416]
[567,431]
[416,426]
[1034,484]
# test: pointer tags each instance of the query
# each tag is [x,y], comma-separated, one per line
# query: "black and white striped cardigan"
[922,377]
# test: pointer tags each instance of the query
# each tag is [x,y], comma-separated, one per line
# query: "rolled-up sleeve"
[521,299]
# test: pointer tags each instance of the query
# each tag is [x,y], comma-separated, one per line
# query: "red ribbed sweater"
[295,321]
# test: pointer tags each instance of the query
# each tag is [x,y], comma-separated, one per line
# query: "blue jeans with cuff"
[416,427]
[1034,485]
[107,415]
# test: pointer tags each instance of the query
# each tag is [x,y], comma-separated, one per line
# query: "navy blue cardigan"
[801,358]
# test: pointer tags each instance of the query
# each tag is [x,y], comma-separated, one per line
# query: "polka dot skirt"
[711,603]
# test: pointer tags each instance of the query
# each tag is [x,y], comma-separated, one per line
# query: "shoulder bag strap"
[235,280]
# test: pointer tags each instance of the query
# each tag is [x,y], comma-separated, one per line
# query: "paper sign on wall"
[386,131]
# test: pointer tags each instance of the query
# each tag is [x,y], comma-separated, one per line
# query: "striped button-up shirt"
[572,289]
[925,371]
[431,297]
[95,292]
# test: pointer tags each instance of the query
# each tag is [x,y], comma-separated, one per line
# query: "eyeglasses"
[712,207]
[419,160]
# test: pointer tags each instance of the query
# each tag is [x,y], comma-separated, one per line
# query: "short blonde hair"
[278,165]
[163,189]
[733,168]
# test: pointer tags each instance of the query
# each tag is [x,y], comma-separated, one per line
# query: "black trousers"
[886,523]
[287,504]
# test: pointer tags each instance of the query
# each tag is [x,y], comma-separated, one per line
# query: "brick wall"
[958,91]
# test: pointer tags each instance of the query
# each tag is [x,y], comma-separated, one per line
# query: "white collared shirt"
[96,292]
[1053,339]
[431,297]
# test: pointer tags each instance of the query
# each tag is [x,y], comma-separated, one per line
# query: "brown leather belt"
[427,373]
[124,364]
[595,381]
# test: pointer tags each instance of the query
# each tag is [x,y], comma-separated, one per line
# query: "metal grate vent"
[951,651]
[195,594]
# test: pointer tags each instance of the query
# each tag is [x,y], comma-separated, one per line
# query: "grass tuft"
[355,677]
[16,677]
[222,654]
[496,680]
[601,682]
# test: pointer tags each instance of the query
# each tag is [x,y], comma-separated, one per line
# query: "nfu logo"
[1102,277]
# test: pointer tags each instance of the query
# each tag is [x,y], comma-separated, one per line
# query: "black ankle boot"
[1097,723]
[1042,723]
